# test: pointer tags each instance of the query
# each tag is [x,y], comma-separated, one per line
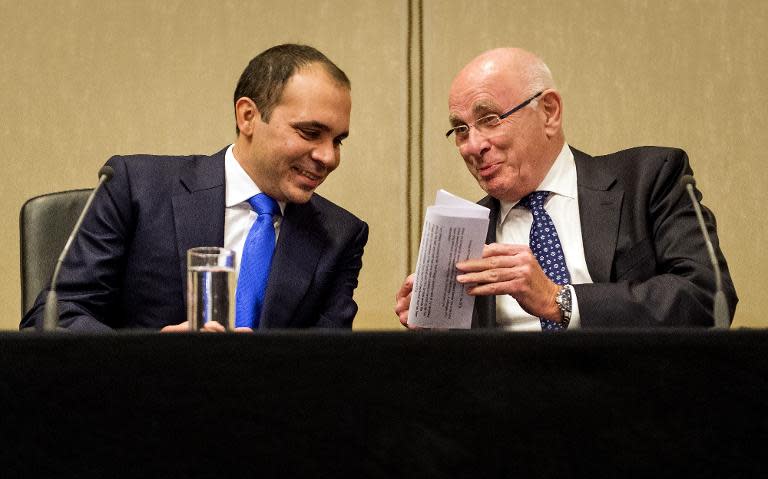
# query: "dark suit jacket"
[644,249]
[127,267]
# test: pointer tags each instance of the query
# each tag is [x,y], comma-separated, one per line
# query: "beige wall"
[82,80]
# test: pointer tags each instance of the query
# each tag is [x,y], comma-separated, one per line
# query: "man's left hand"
[511,269]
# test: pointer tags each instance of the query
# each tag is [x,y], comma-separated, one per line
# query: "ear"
[246,115]
[552,108]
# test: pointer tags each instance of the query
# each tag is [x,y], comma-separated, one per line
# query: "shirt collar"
[240,187]
[560,180]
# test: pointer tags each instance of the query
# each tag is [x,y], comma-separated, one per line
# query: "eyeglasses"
[488,122]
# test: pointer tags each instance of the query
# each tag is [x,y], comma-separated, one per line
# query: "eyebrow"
[311,124]
[320,126]
[479,110]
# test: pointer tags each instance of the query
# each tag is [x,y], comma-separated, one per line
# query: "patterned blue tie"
[545,245]
[256,262]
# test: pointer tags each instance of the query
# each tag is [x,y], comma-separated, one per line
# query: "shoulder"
[332,214]
[633,158]
[147,164]
[327,221]
[164,171]
[143,161]
[633,163]
[645,173]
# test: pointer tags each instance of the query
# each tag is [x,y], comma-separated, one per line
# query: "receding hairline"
[529,68]
[313,66]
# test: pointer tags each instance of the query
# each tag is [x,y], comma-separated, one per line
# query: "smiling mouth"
[488,170]
[308,175]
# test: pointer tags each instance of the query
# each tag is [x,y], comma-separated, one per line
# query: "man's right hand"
[403,300]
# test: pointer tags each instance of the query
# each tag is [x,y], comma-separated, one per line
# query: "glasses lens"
[487,123]
[458,131]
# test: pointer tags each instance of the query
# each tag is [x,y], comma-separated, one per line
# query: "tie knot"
[264,205]
[535,200]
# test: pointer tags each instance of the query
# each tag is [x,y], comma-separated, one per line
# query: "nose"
[326,153]
[475,144]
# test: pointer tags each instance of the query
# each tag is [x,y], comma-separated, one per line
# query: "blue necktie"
[256,261]
[545,245]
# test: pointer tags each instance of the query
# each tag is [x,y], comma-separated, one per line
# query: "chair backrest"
[45,222]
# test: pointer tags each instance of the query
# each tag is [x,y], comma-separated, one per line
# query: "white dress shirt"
[238,215]
[514,227]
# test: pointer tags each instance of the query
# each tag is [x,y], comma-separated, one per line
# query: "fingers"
[500,263]
[494,255]
[403,300]
[213,327]
[401,309]
[406,288]
[512,270]
[176,328]
[497,273]
[209,327]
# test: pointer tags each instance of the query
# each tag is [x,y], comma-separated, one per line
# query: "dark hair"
[264,79]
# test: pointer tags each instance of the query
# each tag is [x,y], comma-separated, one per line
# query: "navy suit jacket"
[127,267]
[644,249]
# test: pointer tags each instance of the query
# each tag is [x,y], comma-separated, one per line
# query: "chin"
[299,196]
[499,193]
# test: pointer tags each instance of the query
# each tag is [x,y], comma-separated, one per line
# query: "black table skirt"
[389,404]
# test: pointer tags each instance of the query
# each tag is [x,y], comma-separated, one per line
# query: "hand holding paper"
[454,230]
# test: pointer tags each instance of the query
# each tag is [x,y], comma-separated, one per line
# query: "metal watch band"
[563,300]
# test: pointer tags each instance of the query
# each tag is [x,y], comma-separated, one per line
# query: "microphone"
[721,304]
[51,312]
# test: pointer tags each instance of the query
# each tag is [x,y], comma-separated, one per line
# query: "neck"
[239,151]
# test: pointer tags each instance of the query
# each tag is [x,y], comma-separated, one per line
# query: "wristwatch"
[563,300]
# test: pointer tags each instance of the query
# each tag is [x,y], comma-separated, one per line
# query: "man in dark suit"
[127,268]
[574,241]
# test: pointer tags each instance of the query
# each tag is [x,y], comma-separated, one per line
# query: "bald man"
[574,241]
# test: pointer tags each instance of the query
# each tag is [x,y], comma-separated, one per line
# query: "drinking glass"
[210,287]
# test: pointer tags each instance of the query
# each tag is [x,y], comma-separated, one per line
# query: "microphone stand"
[720,309]
[51,312]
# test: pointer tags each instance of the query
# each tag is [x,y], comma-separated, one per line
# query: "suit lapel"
[198,205]
[600,212]
[297,253]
